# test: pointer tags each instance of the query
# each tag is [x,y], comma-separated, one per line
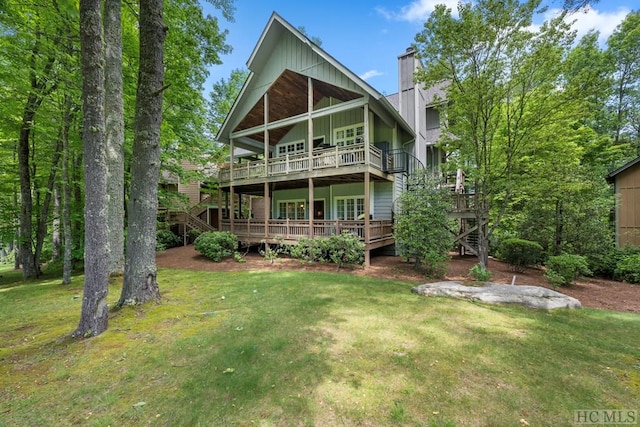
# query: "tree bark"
[140,279]
[114,132]
[93,319]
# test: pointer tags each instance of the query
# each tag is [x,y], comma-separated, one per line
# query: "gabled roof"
[612,175]
[276,29]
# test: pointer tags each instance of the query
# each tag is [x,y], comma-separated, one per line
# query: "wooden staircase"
[190,219]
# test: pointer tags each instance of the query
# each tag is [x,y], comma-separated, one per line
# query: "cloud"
[587,19]
[416,11]
[369,74]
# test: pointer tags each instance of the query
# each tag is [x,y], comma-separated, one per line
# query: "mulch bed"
[592,292]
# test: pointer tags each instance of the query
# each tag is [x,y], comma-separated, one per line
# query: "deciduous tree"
[93,319]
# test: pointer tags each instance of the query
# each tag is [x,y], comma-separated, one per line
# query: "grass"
[301,348]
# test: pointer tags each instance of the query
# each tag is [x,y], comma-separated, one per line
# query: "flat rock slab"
[492,293]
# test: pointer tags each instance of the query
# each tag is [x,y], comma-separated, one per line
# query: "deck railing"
[289,229]
[333,157]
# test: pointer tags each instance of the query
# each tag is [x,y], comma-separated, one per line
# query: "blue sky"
[367,36]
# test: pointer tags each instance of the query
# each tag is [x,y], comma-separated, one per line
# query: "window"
[295,147]
[433,118]
[291,209]
[349,135]
[350,208]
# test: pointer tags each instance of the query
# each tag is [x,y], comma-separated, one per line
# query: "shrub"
[628,268]
[216,245]
[479,273]
[165,239]
[421,229]
[435,264]
[604,264]
[345,249]
[193,234]
[564,269]
[520,253]
[272,252]
[310,250]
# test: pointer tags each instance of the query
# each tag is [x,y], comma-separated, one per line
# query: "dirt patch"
[592,292]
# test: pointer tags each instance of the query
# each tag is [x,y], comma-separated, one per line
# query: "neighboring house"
[626,183]
[334,152]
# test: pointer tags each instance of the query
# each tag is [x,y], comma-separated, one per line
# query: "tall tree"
[114,132]
[624,47]
[94,316]
[140,279]
[504,83]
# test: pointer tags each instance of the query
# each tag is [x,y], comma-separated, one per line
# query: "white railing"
[333,157]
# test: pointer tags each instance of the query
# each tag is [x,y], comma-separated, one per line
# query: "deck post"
[232,213]
[367,153]
[267,211]
[311,210]
[367,214]
[219,208]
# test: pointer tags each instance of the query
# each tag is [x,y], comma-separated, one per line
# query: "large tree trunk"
[114,132]
[93,319]
[56,241]
[140,279]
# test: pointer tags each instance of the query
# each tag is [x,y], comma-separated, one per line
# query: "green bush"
[165,239]
[564,269]
[479,273]
[520,253]
[435,264]
[216,245]
[604,264]
[193,234]
[421,229]
[310,250]
[628,268]
[345,249]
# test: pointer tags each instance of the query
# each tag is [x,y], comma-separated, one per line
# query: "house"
[626,183]
[334,153]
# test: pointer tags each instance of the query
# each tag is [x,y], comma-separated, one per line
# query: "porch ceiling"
[287,98]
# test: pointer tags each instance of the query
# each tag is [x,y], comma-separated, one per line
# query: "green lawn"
[301,348]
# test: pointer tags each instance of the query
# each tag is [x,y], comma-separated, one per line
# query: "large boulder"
[529,296]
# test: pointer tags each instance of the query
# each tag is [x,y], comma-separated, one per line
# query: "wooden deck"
[320,160]
[289,231]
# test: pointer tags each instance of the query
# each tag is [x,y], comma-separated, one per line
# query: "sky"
[367,36]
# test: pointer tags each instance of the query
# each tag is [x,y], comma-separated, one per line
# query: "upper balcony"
[322,162]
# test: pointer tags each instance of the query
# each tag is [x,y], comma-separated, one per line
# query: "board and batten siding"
[291,53]
[628,209]
[383,200]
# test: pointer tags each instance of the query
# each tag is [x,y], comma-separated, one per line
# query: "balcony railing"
[289,229]
[333,157]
